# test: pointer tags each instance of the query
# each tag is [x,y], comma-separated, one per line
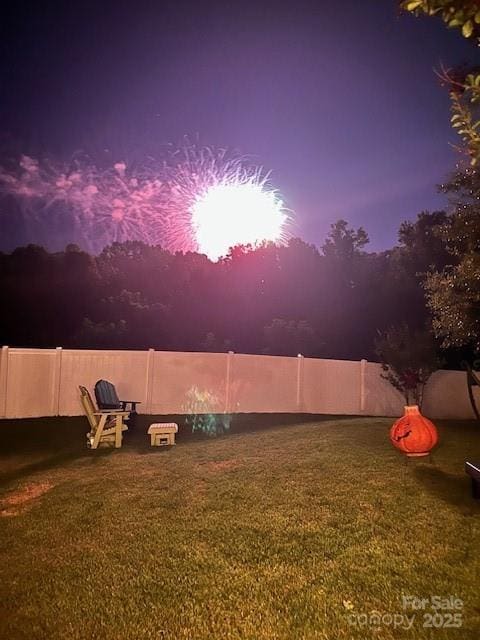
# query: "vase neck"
[412,409]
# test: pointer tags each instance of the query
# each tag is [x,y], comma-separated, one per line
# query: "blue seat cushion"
[106,395]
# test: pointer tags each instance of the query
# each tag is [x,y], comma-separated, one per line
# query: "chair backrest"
[106,395]
[472,380]
[88,407]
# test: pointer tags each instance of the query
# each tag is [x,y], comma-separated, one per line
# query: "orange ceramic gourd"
[413,434]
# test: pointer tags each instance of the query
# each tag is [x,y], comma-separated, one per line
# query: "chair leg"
[99,431]
[118,432]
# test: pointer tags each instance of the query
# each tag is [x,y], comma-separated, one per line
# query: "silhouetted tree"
[453,293]
[289,338]
[273,299]
[408,359]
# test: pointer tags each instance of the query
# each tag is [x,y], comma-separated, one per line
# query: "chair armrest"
[133,404]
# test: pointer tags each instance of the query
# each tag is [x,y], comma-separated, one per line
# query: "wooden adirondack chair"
[106,427]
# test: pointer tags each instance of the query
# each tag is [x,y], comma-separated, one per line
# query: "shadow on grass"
[61,440]
[42,444]
[37,435]
[451,488]
[240,423]
[45,464]
[246,422]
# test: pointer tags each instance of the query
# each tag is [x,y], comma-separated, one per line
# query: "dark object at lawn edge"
[473,470]
[472,381]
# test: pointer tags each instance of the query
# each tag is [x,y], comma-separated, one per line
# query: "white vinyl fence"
[44,382]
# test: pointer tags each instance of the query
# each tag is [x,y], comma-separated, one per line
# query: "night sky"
[338,99]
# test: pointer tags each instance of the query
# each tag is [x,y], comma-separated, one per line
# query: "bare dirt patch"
[17,501]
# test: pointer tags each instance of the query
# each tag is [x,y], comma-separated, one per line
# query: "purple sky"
[337,99]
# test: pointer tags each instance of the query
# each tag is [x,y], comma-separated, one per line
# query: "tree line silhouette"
[329,302]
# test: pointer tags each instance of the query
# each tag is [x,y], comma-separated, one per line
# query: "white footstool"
[162,433]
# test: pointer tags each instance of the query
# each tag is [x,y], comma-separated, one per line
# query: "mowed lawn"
[288,528]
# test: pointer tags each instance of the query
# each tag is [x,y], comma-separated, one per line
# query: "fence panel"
[30,383]
[126,369]
[263,384]
[381,399]
[331,386]
[446,396]
[188,382]
[44,382]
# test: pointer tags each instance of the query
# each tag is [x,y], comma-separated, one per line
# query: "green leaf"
[476,17]
[467,29]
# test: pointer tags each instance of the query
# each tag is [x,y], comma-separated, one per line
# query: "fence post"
[300,360]
[3,382]
[56,382]
[227,381]
[363,367]
[149,381]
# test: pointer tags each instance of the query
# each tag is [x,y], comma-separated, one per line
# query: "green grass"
[279,531]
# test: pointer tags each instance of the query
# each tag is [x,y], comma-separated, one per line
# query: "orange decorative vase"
[413,434]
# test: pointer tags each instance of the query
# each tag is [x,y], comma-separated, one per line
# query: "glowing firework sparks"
[239,213]
[228,200]
[197,198]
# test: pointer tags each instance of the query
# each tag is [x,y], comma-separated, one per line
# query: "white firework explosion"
[196,198]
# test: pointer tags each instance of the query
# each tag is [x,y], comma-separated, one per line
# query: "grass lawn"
[288,528]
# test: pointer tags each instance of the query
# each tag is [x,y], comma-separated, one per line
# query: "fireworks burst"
[102,206]
[196,198]
[228,201]
[238,213]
